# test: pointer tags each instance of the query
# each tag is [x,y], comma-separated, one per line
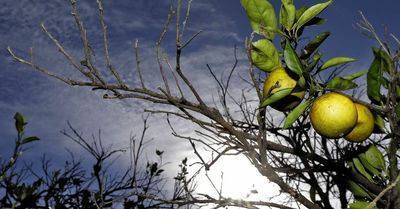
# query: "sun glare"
[238,180]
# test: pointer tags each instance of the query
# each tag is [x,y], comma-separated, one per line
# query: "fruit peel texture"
[333,115]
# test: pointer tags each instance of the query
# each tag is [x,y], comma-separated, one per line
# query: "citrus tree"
[332,148]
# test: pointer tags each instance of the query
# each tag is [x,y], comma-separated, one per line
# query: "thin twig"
[174,75]
[158,50]
[105,44]
[66,54]
[138,68]
[186,17]
[38,68]
[366,25]
[85,43]
[380,195]
[191,39]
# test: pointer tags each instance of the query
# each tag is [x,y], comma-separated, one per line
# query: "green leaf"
[368,166]
[310,13]
[375,158]
[276,96]
[300,12]
[19,122]
[314,62]
[262,17]
[360,168]
[264,55]
[340,83]
[314,44]
[292,60]
[295,113]
[287,14]
[359,204]
[356,189]
[379,124]
[355,75]
[374,78]
[301,83]
[315,21]
[388,64]
[334,62]
[29,139]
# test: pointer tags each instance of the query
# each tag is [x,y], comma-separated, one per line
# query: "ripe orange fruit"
[364,126]
[279,79]
[333,115]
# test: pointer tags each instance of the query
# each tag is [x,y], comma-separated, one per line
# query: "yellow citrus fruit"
[364,126]
[333,115]
[279,79]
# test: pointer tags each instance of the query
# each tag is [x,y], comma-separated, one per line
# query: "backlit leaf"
[287,14]
[334,62]
[300,12]
[264,55]
[355,75]
[262,17]
[310,13]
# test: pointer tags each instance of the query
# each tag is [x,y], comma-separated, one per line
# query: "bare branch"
[367,26]
[138,68]
[380,195]
[85,43]
[67,55]
[40,69]
[158,48]
[105,44]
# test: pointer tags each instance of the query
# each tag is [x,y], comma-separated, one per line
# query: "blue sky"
[48,104]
